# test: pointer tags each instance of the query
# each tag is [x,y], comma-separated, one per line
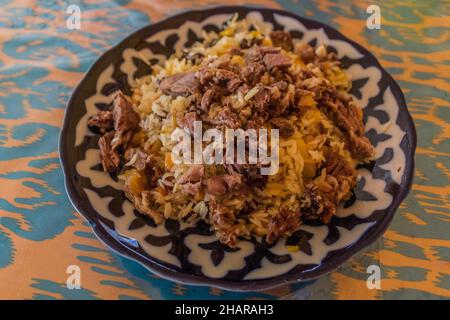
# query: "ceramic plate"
[191,253]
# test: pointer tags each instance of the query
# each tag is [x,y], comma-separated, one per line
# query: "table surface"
[41,61]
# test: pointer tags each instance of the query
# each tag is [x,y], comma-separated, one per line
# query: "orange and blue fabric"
[41,61]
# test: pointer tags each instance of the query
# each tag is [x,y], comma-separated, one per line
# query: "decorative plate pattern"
[191,253]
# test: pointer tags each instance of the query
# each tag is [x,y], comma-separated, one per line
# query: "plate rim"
[290,276]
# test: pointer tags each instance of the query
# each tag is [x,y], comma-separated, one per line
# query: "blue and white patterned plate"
[191,253]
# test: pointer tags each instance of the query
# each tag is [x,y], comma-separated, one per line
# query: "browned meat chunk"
[216,186]
[109,157]
[283,224]
[143,203]
[234,182]
[316,205]
[253,72]
[223,76]
[287,100]
[251,173]
[207,99]
[261,100]
[349,118]
[337,166]
[139,159]
[360,146]
[276,60]
[253,54]
[101,122]
[282,39]
[187,121]
[285,127]
[181,84]
[306,53]
[257,53]
[278,99]
[233,84]
[275,93]
[125,118]
[220,77]
[224,221]
[195,173]
[219,185]
[227,119]
[340,180]
[126,121]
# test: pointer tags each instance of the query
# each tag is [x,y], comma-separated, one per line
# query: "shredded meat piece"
[283,224]
[192,188]
[255,123]
[101,122]
[143,204]
[234,182]
[261,100]
[287,100]
[282,39]
[276,60]
[321,203]
[233,84]
[253,72]
[187,121]
[224,76]
[181,84]
[227,119]
[256,54]
[316,205]
[251,173]
[195,173]
[224,221]
[109,157]
[349,118]
[285,127]
[219,185]
[306,53]
[253,54]
[282,75]
[207,99]
[360,146]
[126,121]
[139,159]
[337,166]
[218,76]
[216,185]
[125,118]
[276,91]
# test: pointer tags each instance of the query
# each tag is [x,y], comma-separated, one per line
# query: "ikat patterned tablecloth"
[41,235]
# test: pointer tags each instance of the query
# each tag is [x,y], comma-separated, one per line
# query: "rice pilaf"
[239,78]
